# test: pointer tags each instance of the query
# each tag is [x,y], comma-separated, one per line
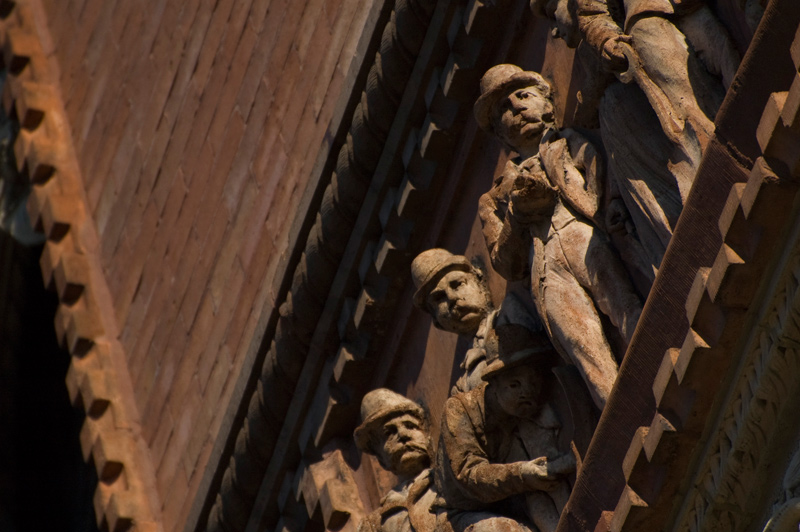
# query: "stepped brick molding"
[98,379]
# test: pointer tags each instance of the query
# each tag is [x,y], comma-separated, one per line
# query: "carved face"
[519,390]
[521,117]
[405,446]
[459,302]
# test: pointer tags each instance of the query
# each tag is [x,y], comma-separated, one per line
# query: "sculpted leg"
[666,58]
[542,511]
[611,287]
[640,167]
[576,327]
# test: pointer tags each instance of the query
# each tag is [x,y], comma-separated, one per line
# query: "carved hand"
[539,474]
[532,197]
[613,56]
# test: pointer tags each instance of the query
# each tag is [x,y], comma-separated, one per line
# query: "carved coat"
[572,165]
[574,269]
[683,52]
[476,445]
[406,508]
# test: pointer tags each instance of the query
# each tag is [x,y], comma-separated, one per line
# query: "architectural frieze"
[312,279]
[526,266]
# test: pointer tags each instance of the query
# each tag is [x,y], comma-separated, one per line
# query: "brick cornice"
[682,363]
[98,378]
[350,281]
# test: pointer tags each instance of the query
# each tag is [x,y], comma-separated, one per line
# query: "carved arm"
[507,237]
[477,477]
[596,24]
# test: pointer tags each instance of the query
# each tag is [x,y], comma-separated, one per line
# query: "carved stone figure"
[668,48]
[546,209]
[452,291]
[395,430]
[677,61]
[656,124]
[681,60]
[498,455]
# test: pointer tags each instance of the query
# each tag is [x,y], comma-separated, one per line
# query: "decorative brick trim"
[358,158]
[98,378]
[355,266]
[753,225]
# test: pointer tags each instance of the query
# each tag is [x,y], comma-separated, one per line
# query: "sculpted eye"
[456,284]
[437,297]
[522,94]
[389,430]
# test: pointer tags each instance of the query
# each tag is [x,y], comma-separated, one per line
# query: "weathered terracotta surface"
[395,429]
[453,292]
[545,217]
[541,250]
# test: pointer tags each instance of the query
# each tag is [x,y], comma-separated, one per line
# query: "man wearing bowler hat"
[395,430]
[499,449]
[454,293]
[545,217]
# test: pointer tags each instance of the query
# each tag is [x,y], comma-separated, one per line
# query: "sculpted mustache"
[463,309]
[416,447]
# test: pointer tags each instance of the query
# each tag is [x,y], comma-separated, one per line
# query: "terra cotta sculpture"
[679,55]
[452,291]
[395,430]
[676,60]
[498,454]
[547,206]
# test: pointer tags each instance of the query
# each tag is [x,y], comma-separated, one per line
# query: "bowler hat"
[376,407]
[497,83]
[429,266]
[500,362]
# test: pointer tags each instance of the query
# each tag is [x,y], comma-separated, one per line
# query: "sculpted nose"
[452,297]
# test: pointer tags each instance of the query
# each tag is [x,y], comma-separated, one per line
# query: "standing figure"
[499,454]
[543,217]
[395,430]
[676,61]
[452,291]
[679,55]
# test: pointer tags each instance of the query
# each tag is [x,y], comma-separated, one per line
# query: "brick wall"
[196,125]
